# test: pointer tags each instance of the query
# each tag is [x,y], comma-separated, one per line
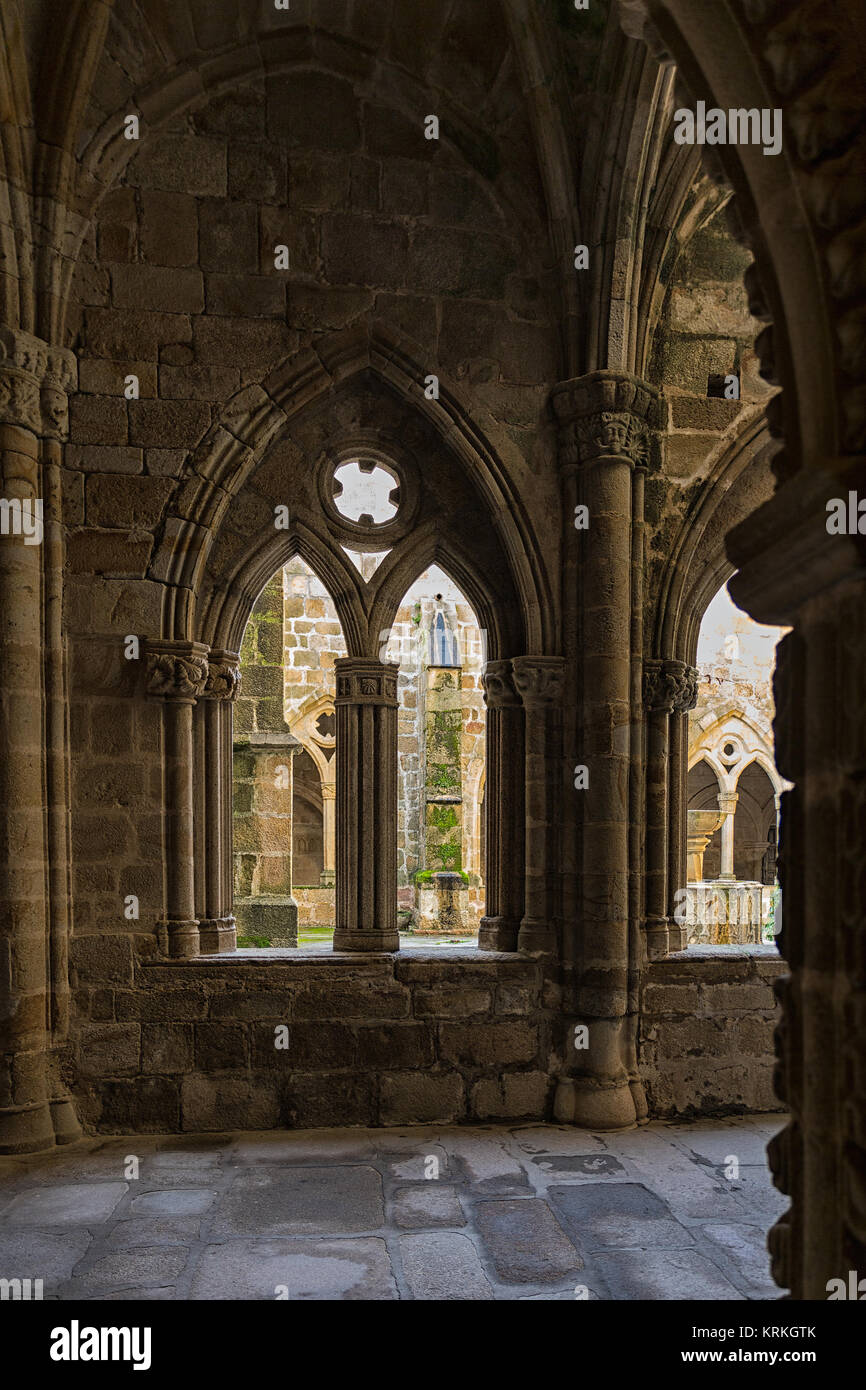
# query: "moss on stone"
[444,818]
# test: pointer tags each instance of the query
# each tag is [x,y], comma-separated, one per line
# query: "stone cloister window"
[733,789]
[285,746]
[287,756]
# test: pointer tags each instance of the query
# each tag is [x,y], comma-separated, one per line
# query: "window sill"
[766,951]
[321,955]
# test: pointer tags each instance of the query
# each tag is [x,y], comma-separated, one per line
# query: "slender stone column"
[539,682]
[329,824]
[217,928]
[366,753]
[176,674]
[60,375]
[35,1110]
[504,800]
[728,804]
[659,696]
[685,700]
[25,1119]
[604,420]
[670,688]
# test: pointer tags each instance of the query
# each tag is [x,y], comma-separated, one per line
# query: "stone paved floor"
[493,1212]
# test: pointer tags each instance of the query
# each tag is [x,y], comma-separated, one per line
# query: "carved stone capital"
[365,681]
[687,694]
[539,679]
[669,685]
[223,676]
[605,415]
[497,679]
[176,670]
[34,383]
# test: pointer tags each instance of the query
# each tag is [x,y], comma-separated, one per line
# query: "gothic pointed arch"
[737,478]
[263,440]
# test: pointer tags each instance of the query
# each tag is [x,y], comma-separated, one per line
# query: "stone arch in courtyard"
[252,499]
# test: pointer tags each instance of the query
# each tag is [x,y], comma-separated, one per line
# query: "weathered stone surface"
[434,1204]
[111,1049]
[525,1241]
[489,1165]
[443,1266]
[286,1269]
[522,1093]
[303,1201]
[134,503]
[109,552]
[176,1202]
[167,1048]
[623,1213]
[82,1204]
[417,1097]
[327,1178]
[148,1265]
[225,1102]
[182,164]
[643,1274]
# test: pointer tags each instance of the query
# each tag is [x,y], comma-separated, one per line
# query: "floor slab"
[510,1212]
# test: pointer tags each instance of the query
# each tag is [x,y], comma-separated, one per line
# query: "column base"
[537,936]
[638,1095]
[327,878]
[678,937]
[26,1130]
[180,938]
[594,1104]
[657,931]
[217,935]
[347,939]
[498,934]
[65,1121]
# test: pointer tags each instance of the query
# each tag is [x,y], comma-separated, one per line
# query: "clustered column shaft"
[177,672]
[366,753]
[504,797]
[217,929]
[539,681]
[35,1110]
[604,423]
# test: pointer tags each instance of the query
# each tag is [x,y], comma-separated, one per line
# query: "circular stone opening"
[366,492]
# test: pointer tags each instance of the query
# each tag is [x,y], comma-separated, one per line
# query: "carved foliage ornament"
[612,433]
[539,679]
[670,685]
[605,414]
[34,382]
[176,675]
[223,680]
[498,682]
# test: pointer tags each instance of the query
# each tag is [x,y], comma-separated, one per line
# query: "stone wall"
[706,1032]
[705,330]
[398,1041]
[378,1041]
[442,241]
